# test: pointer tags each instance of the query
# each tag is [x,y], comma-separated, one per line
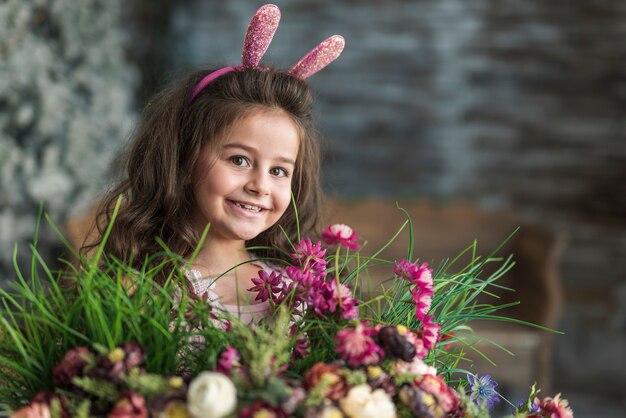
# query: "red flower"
[129,405]
[340,234]
[72,365]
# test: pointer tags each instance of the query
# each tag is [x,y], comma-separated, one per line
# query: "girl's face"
[243,186]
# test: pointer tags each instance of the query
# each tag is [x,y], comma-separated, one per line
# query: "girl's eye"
[239,161]
[279,172]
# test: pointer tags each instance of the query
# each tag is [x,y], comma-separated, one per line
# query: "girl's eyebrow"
[253,150]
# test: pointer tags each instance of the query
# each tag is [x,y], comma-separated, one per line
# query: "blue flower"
[482,390]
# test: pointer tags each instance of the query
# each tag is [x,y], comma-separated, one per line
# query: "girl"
[226,148]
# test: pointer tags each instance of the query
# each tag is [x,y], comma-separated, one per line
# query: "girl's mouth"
[248,207]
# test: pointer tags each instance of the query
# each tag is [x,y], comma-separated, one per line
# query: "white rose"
[361,402]
[211,395]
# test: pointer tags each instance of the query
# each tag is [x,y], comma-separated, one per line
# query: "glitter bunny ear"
[319,57]
[260,32]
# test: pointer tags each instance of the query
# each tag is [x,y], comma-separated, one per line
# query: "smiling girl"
[225,148]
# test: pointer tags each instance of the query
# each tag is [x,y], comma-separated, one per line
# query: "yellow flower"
[374,371]
[263,413]
[175,410]
[175,382]
[402,330]
[116,355]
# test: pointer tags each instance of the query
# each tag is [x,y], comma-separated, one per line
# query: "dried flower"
[211,395]
[443,393]
[416,367]
[341,235]
[72,365]
[329,375]
[362,402]
[395,345]
[421,403]
[555,407]
[357,347]
[482,390]
[129,405]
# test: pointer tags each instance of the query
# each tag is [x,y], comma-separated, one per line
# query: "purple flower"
[482,390]
[267,285]
[342,235]
[357,347]
[311,257]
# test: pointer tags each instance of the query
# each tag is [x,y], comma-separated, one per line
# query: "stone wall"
[509,103]
[65,108]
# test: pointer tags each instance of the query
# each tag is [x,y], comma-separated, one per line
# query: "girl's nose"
[258,184]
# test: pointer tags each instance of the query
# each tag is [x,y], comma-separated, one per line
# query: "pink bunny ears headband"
[260,32]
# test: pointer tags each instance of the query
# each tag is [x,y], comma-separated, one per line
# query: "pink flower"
[429,332]
[129,405]
[311,257]
[555,407]
[438,388]
[418,343]
[340,234]
[33,410]
[267,285]
[71,365]
[422,297]
[134,355]
[357,347]
[421,276]
[341,299]
[414,273]
[228,359]
[301,346]
[41,406]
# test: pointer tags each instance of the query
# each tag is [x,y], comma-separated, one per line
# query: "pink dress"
[247,313]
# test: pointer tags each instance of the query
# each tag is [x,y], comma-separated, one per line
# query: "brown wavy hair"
[156,187]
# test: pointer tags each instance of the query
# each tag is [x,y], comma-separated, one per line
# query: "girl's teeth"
[250,208]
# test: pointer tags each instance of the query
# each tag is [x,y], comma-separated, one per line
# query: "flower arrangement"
[115,343]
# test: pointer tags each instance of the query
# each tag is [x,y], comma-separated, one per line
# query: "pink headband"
[260,32]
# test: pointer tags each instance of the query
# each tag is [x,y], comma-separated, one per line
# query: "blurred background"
[476,115]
